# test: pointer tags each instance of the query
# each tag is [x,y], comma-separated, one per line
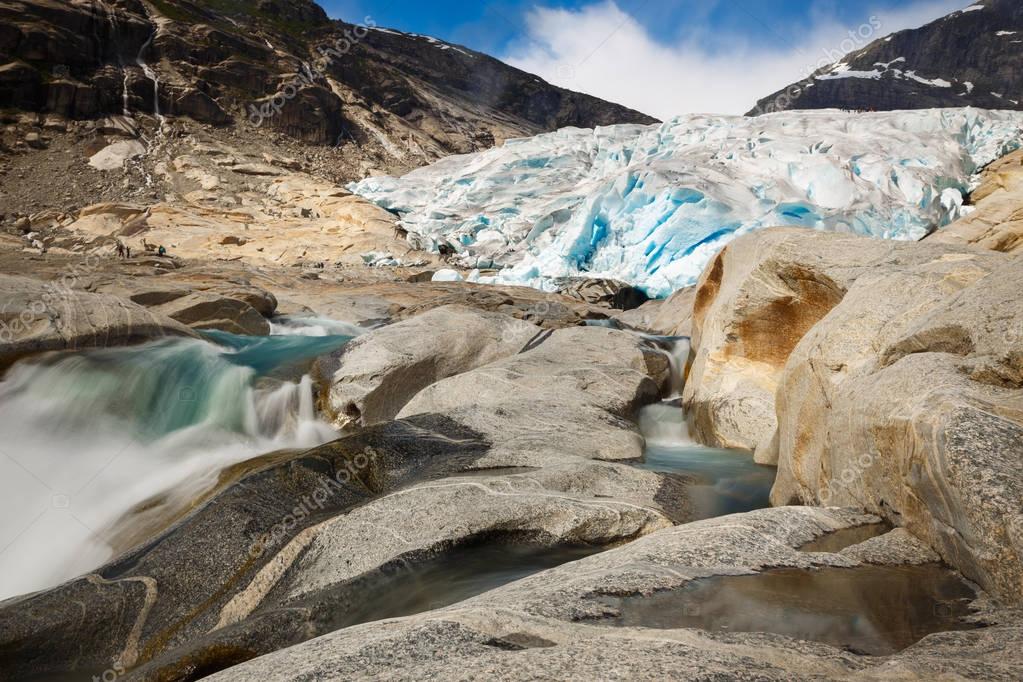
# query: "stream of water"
[726,481]
[88,437]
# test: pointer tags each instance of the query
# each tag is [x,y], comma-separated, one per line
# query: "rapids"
[91,437]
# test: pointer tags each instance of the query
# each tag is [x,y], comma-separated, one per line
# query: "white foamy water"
[312,326]
[88,438]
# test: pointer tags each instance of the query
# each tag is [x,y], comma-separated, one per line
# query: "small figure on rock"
[161,251]
[120,250]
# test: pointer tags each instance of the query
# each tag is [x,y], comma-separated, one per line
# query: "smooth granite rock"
[36,317]
[374,377]
[907,400]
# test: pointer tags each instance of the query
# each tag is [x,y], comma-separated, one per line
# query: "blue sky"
[661,56]
[493,26]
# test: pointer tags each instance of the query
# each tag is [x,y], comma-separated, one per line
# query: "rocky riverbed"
[486,493]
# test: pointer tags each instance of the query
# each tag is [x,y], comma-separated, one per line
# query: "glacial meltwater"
[89,437]
[726,481]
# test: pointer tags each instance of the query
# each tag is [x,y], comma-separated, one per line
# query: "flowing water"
[151,74]
[284,325]
[676,349]
[727,481]
[89,437]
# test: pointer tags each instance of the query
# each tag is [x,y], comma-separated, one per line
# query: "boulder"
[570,393]
[37,316]
[376,375]
[202,298]
[671,317]
[755,302]
[907,401]
[35,141]
[114,156]
[606,292]
[207,310]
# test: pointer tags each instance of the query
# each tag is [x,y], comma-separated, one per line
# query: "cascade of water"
[676,349]
[91,438]
[115,42]
[151,75]
[312,326]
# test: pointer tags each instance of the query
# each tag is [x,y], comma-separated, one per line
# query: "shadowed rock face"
[968,58]
[215,61]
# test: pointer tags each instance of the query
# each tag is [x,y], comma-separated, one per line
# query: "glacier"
[651,205]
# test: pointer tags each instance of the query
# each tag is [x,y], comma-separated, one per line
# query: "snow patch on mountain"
[650,205]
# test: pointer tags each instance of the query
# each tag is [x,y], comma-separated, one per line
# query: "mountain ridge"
[971,57]
[406,99]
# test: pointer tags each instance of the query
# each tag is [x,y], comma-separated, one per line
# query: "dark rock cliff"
[972,57]
[279,64]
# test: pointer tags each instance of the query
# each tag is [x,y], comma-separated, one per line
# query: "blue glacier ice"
[650,205]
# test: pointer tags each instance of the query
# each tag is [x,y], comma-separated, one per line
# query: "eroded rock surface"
[876,374]
[907,400]
[559,623]
[572,393]
[290,541]
[38,317]
[374,377]
[756,301]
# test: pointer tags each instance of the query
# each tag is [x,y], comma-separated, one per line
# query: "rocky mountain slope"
[972,57]
[389,99]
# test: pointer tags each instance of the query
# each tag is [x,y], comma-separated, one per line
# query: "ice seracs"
[649,205]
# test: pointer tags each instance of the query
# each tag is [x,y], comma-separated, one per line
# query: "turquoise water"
[727,481]
[267,354]
[165,386]
[89,437]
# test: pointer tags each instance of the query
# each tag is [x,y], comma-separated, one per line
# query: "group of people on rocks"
[124,251]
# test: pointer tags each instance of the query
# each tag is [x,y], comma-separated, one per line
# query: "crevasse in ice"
[650,205]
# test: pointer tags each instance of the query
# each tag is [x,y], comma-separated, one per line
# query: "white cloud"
[603,51]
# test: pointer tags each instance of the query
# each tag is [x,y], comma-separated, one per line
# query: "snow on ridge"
[872,75]
[650,205]
[843,70]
